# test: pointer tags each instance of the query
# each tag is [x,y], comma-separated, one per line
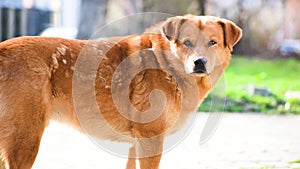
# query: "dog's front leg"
[150,162]
[131,163]
[150,151]
[2,164]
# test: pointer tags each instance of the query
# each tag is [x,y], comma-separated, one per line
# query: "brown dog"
[183,60]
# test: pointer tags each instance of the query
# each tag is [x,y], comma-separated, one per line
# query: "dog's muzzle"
[200,65]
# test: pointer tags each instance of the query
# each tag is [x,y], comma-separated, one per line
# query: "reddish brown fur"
[36,84]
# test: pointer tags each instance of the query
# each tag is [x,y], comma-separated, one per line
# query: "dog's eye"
[188,43]
[212,43]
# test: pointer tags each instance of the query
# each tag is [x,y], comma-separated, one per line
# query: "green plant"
[243,103]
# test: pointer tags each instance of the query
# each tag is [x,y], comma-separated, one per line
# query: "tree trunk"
[202,6]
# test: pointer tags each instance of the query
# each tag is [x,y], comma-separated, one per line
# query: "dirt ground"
[241,141]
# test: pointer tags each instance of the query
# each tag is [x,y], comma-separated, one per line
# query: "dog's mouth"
[200,74]
[200,70]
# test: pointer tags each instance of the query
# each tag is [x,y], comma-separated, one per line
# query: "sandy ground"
[242,141]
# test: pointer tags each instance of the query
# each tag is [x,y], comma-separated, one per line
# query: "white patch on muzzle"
[189,64]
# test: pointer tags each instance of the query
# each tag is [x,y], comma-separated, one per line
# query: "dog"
[169,70]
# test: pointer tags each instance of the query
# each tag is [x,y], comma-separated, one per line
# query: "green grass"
[278,75]
[295,161]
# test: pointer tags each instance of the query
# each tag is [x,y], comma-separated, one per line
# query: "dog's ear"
[171,27]
[232,33]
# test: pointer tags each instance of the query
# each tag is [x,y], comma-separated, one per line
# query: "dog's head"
[202,43]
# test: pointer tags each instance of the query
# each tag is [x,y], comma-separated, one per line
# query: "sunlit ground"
[242,141]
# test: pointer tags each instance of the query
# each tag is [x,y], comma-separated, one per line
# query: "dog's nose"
[200,65]
[201,61]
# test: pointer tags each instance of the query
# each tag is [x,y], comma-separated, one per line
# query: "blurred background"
[263,75]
